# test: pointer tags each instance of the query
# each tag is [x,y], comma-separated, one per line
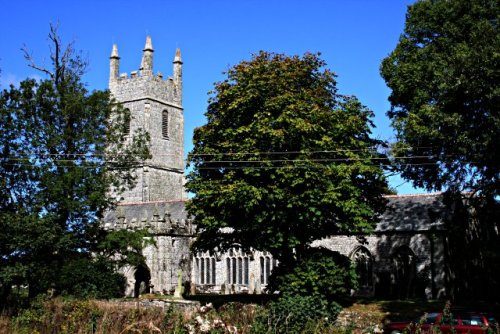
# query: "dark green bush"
[319,272]
[91,278]
[293,313]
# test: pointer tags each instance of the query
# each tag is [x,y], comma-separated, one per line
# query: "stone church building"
[402,258]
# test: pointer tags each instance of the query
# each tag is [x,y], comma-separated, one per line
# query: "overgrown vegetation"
[294,314]
[286,315]
[90,316]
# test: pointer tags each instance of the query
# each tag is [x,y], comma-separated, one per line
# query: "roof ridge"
[152,202]
[414,195]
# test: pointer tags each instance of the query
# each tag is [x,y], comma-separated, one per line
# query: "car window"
[492,321]
[472,320]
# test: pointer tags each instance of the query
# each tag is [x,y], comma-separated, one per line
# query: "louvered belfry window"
[164,124]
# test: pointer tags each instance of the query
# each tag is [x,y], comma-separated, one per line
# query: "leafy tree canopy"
[284,159]
[62,149]
[320,273]
[445,87]
[444,76]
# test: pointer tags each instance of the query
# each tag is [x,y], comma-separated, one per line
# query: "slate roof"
[403,213]
[413,213]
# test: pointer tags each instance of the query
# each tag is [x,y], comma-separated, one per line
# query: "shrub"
[294,313]
[319,273]
[173,321]
[91,278]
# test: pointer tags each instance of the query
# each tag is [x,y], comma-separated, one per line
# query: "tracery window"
[205,270]
[364,267]
[237,267]
[267,264]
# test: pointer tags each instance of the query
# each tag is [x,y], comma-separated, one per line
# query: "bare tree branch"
[31,63]
[65,61]
[59,69]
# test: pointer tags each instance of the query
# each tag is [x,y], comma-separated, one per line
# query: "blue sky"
[353,36]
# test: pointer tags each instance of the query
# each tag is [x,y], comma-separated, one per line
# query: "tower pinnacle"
[147,58]
[114,52]
[178,75]
[177,58]
[149,44]
[114,65]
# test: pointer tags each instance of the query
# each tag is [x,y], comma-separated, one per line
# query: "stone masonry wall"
[411,226]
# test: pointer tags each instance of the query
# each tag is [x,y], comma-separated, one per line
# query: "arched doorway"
[142,277]
[404,262]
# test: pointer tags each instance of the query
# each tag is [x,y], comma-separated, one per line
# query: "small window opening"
[164,124]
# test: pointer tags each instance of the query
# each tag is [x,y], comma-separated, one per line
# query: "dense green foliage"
[283,160]
[295,314]
[444,76]
[319,272]
[445,95]
[62,150]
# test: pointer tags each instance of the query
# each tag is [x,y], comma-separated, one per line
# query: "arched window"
[267,264]
[237,266]
[164,124]
[364,267]
[240,270]
[245,270]
[213,270]
[234,270]
[205,270]
[202,271]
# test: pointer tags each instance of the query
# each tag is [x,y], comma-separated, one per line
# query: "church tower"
[156,203]
[155,105]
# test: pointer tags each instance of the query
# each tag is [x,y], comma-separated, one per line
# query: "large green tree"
[444,79]
[62,151]
[284,159]
[444,76]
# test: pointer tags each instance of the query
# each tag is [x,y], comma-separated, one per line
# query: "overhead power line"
[95,155]
[218,167]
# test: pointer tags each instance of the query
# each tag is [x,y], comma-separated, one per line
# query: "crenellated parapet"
[172,232]
[143,83]
[139,87]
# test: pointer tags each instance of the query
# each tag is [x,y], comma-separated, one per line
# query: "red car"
[435,322]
